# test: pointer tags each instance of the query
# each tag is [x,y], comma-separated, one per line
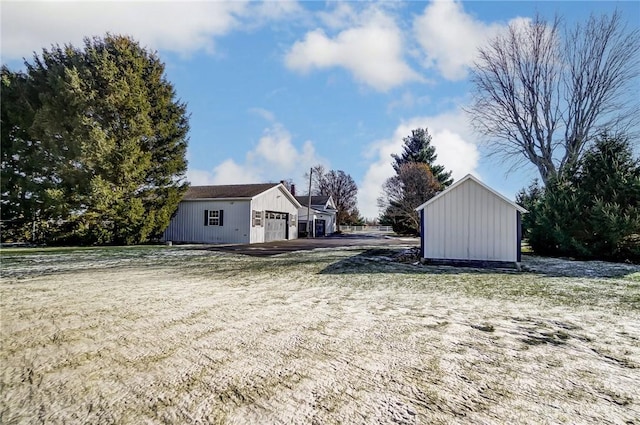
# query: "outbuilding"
[470,223]
[235,214]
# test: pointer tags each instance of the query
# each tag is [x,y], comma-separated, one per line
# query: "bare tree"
[341,187]
[413,184]
[542,93]
[318,176]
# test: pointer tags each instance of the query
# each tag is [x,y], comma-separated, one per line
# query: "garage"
[275,226]
[235,214]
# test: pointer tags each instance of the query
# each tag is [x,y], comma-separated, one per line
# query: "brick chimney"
[293,189]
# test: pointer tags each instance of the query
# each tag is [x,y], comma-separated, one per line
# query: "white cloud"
[276,149]
[227,172]
[450,37]
[263,113]
[274,158]
[454,145]
[183,27]
[407,101]
[275,10]
[371,49]
[340,17]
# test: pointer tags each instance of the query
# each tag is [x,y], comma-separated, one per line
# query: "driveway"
[303,244]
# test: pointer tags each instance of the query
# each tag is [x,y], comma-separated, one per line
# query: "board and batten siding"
[187,226]
[274,200]
[470,223]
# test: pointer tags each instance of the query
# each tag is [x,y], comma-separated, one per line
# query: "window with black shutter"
[213,217]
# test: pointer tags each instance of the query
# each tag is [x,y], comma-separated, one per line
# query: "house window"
[294,221]
[213,217]
[257,218]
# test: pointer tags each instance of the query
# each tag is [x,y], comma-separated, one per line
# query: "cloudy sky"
[276,87]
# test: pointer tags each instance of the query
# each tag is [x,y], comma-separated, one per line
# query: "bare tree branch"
[542,94]
[413,184]
[340,186]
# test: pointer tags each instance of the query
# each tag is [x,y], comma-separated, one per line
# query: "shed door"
[275,226]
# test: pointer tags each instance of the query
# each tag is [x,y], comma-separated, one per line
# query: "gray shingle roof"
[227,191]
[315,200]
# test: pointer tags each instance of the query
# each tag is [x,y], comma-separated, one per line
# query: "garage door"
[275,226]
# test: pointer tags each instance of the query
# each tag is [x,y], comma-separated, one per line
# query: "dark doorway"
[320,228]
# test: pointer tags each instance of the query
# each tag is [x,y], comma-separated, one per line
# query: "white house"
[243,213]
[470,223]
[323,213]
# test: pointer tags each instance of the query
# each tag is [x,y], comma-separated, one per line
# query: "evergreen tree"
[418,178]
[417,148]
[595,211]
[527,199]
[112,139]
[609,182]
[21,162]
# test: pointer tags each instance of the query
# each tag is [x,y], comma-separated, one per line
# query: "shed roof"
[460,182]
[236,191]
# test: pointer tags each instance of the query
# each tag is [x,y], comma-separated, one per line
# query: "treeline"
[93,145]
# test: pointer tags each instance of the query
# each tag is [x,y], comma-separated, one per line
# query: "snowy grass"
[179,335]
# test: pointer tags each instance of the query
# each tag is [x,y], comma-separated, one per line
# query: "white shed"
[230,214]
[470,223]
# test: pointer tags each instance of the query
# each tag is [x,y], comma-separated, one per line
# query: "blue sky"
[276,87]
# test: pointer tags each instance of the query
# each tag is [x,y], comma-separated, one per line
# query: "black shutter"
[519,237]
[206,217]
[221,216]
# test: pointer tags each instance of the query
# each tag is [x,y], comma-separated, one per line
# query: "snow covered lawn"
[180,335]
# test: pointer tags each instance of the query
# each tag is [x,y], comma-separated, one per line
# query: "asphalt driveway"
[303,244]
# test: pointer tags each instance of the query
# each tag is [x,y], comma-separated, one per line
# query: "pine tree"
[113,138]
[594,212]
[20,164]
[528,199]
[609,182]
[417,148]
[418,178]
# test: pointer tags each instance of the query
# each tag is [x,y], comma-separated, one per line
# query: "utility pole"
[309,221]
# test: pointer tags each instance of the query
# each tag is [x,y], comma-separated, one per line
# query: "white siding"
[277,201]
[329,218]
[470,223]
[187,226]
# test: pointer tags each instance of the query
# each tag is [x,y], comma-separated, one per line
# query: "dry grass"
[329,336]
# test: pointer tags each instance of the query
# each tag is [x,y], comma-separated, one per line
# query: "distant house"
[470,223]
[323,213]
[242,214]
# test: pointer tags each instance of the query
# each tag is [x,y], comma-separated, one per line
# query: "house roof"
[235,191]
[316,211]
[315,200]
[460,182]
